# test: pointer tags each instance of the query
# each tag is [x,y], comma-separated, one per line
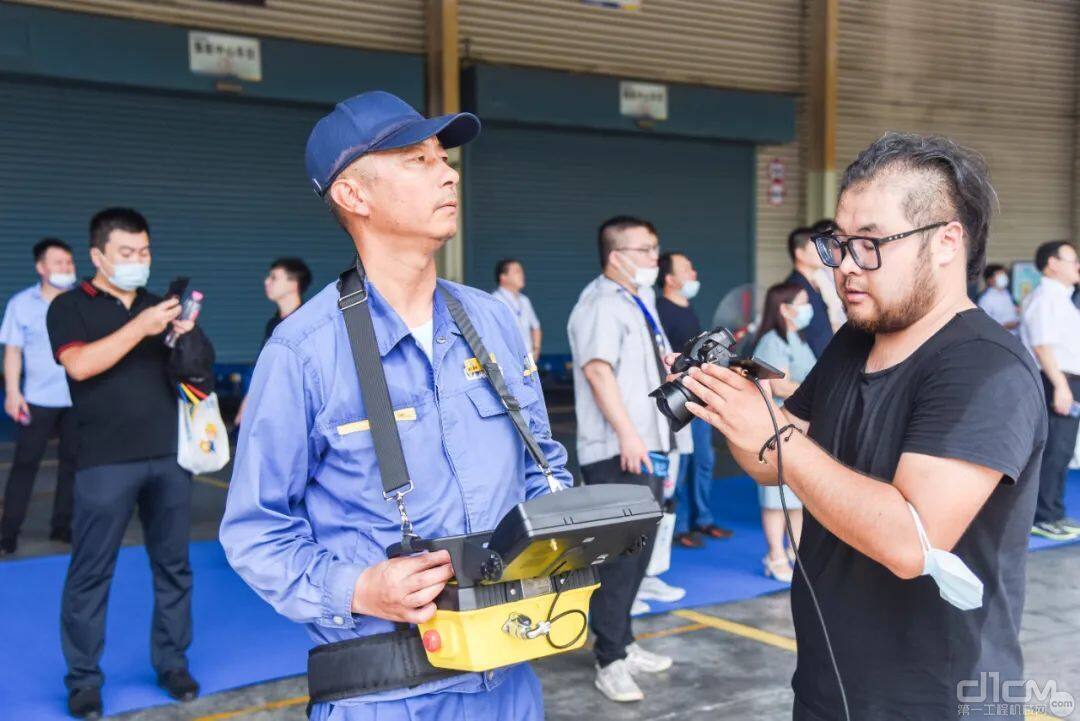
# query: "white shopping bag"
[660,560]
[203,443]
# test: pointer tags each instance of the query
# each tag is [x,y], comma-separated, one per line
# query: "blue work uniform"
[306,513]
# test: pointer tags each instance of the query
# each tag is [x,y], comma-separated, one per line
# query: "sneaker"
[615,682]
[641,661]
[689,540]
[639,608]
[653,589]
[179,684]
[8,546]
[777,568]
[85,703]
[1070,524]
[1053,531]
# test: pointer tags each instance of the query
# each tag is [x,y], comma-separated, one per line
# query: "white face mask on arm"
[956,583]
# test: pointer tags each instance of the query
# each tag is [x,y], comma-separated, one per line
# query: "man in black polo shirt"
[806,261]
[915,449]
[108,335]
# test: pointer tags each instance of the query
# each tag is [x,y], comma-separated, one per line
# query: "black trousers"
[1060,446]
[105,497]
[30,443]
[609,611]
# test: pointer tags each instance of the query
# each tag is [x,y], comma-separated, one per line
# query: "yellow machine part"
[476,641]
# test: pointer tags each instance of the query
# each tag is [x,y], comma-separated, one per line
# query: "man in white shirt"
[996,300]
[510,276]
[617,343]
[1050,328]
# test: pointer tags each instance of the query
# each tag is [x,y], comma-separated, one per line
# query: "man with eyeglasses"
[914,445]
[616,343]
[1050,328]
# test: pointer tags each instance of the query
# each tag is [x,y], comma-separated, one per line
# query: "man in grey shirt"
[510,276]
[615,339]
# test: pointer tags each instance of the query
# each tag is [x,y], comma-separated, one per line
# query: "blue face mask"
[129,276]
[803,315]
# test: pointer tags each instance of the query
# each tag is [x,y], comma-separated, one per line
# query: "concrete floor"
[719,674]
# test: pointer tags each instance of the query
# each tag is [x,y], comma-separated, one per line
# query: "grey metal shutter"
[540,194]
[220,180]
[747,44]
[998,76]
[375,24]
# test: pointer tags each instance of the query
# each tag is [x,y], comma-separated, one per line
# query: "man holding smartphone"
[108,334]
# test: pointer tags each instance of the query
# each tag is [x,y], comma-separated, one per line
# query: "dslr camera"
[716,346]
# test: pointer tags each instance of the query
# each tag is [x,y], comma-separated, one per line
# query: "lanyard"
[657,334]
[658,351]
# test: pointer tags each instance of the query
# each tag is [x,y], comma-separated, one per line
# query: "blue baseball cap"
[375,121]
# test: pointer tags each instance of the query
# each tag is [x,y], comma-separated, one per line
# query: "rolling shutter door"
[540,194]
[221,182]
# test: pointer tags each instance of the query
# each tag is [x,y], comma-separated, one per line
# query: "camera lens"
[671,399]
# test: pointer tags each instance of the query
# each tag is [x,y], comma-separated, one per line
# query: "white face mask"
[956,583]
[646,277]
[62,281]
[690,288]
[1001,281]
[129,276]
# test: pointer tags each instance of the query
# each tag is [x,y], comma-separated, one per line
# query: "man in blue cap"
[307,522]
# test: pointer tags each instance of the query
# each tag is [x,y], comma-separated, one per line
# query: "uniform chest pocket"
[487,401]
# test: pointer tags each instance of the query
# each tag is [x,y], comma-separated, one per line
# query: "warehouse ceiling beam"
[444,96]
[824,32]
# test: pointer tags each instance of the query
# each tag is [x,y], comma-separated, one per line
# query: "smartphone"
[177,287]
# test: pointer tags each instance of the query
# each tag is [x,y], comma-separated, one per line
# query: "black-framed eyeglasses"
[866,253]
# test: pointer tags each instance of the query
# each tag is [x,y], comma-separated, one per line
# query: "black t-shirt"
[971,392]
[127,413]
[680,324]
[274,322]
[818,334]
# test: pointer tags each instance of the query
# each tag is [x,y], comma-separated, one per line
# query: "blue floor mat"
[240,640]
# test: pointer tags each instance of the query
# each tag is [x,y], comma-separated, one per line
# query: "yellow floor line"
[268,706]
[1036,716]
[670,631]
[210,481]
[722,624]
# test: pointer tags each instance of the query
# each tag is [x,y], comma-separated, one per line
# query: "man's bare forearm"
[1049,365]
[605,390]
[95,358]
[869,515]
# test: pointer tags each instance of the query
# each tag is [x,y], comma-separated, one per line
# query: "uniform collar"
[390,329]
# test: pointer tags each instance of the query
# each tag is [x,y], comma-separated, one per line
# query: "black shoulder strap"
[353,304]
[495,376]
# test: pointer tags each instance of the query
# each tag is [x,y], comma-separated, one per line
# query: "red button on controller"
[432,641]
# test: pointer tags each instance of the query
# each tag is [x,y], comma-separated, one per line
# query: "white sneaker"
[641,661]
[615,682]
[654,589]
[639,607]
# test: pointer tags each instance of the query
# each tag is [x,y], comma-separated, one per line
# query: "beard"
[915,303]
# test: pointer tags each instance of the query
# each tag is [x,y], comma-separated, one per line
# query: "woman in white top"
[787,311]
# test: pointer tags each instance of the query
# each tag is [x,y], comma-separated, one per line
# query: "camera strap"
[658,348]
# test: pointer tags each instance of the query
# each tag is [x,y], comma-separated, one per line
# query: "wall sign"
[643,100]
[224,55]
